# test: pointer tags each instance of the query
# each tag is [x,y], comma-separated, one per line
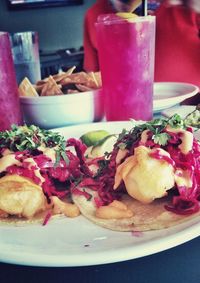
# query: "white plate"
[168,94]
[183,111]
[78,242]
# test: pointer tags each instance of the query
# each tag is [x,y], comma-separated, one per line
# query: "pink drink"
[9,99]
[126,55]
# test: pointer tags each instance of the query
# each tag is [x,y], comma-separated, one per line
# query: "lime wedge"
[93,137]
[105,145]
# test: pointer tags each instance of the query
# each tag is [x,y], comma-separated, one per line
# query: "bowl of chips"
[63,99]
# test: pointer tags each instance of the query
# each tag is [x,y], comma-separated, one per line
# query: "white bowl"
[63,110]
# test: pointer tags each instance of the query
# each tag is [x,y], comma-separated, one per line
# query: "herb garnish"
[128,138]
[193,118]
[21,138]
[161,138]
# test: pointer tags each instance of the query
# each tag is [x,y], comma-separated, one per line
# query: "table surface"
[179,264]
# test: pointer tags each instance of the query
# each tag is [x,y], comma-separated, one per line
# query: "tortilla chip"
[80,78]
[145,217]
[82,88]
[51,88]
[27,89]
[97,78]
[70,91]
[67,82]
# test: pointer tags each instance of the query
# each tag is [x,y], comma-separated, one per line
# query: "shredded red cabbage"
[157,155]
[25,172]
[79,192]
[51,171]
[183,206]
[187,200]
[47,217]
[77,173]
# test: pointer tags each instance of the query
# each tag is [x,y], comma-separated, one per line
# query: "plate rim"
[119,255]
[159,104]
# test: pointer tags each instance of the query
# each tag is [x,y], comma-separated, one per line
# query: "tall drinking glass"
[9,98]
[25,50]
[126,49]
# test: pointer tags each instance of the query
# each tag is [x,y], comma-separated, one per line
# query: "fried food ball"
[145,178]
[19,196]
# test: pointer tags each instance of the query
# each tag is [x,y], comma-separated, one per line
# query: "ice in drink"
[126,49]
[9,98]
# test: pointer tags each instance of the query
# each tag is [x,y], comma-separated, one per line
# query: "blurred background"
[58,27]
[60,30]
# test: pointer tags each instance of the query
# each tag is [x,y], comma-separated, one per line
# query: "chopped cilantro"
[156,127]
[122,145]
[193,118]
[30,138]
[161,138]
[64,156]
[102,166]
[176,122]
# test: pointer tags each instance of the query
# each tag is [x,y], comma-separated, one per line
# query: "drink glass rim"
[23,32]
[109,21]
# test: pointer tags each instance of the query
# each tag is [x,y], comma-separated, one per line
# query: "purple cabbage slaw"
[77,175]
[186,200]
[52,173]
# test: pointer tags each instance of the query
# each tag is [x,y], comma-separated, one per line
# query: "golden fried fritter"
[145,178]
[19,196]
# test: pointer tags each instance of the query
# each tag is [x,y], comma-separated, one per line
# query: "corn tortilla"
[153,216]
